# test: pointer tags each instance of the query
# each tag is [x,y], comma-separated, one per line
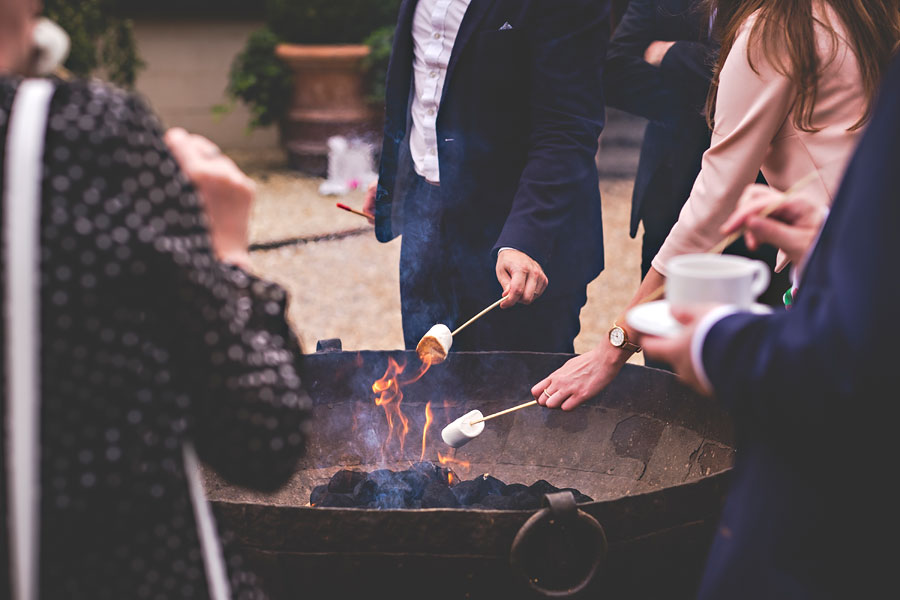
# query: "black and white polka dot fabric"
[147,342]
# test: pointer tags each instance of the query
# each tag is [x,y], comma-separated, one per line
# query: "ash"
[427,485]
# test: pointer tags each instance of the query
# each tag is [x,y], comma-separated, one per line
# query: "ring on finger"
[546,393]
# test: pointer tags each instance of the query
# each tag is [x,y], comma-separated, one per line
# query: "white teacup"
[715,279]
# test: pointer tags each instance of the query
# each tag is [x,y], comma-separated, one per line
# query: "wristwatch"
[619,339]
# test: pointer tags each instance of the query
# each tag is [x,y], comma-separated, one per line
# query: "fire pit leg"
[557,545]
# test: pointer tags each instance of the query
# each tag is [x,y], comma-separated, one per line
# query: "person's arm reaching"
[567,114]
[752,104]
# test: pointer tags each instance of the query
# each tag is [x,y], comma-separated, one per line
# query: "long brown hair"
[786,31]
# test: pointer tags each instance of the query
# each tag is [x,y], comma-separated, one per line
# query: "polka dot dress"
[147,342]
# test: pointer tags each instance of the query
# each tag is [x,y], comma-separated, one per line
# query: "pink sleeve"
[751,108]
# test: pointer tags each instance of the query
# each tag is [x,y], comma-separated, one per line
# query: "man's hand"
[369,202]
[227,194]
[656,52]
[522,279]
[676,350]
[792,227]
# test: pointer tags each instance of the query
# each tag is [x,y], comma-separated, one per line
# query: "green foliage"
[100,40]
[260,79]
[262,82]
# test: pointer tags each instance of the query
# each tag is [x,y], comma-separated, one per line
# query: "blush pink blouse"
[754,131]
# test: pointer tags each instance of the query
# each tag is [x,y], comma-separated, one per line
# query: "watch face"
[616,336]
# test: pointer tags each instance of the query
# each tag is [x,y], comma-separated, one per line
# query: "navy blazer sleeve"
[634,85]
[836,348]
[566,107]
[687,68]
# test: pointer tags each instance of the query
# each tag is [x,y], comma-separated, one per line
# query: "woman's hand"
[226,192]
[581,378]
[792,227]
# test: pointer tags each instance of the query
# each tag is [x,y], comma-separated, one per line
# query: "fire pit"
[652,454]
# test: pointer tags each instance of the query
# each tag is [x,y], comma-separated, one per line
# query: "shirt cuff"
[504,248]
[700,333]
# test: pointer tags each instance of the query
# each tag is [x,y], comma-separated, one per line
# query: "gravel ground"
[348,288]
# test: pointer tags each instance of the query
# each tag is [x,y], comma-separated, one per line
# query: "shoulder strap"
[210,545]
[21,223]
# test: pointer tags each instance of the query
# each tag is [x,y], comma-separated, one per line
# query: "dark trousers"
[448,276]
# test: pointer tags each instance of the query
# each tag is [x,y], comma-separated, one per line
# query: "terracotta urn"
[329,98]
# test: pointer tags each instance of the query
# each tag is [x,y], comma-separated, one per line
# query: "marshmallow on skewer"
[461,431]
[434,345]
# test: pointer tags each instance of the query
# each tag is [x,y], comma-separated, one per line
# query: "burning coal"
[427,485]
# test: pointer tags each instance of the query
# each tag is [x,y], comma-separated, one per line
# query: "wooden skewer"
[354,211]
[479,315]
[503,412]
[720,247]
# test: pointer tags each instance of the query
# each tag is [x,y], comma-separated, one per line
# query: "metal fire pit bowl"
[654,455]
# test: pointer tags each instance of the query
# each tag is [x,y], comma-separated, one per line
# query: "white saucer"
[654,318]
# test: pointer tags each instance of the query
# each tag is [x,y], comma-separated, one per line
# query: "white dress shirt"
[434,29]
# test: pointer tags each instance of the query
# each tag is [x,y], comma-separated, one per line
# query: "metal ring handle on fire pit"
[562,512]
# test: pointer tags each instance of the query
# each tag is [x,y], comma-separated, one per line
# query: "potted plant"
[317,70]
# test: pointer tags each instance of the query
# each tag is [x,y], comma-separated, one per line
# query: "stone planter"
[329,99]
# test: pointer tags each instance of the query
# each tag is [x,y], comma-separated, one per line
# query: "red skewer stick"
[355,212]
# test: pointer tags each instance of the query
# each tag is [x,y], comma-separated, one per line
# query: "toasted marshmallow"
[434,345]
[461,431]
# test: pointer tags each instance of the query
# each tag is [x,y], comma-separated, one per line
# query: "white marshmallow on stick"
[462,431]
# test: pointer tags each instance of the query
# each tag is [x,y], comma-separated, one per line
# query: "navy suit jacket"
[672,97]
[814,391]
[519,121]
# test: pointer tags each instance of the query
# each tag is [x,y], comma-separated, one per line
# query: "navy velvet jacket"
[519,121]
[813,391]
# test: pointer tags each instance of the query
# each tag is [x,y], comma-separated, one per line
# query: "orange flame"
[429,417]
[389,395]
[464,465]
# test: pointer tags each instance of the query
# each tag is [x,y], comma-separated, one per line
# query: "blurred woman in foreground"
[154,347]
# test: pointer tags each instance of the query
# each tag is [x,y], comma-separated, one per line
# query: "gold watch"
[619,339]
